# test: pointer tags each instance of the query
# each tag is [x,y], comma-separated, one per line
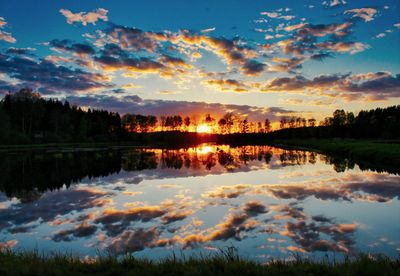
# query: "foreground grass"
[32,263]
[368,152]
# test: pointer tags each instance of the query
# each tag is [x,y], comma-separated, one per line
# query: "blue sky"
[257,58]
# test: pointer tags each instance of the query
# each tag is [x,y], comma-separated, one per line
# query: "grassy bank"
[220,264]
[376,153]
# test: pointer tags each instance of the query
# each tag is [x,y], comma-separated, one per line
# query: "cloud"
[228,191]
[364,13]
[253,67]
[134,240]
[343,47]
[20,51]
[312,236]
[173,216]
[380,84]
[49,78]
[129,104]
[133,38]
[277,15]
[311,41]
[79,231]
[321,30]
[270,14]
[294,27]
[76,48]
[253,208]
[174,61]
[2,22]
[5,35]
[233,51]
[116,221]
[7,87]
[228,85]
[379,188]
[51,205]
[286,64]
[85,17]
[112,57]
[334,3]
[168,92]
[231,227]
[208,30]
[8,244]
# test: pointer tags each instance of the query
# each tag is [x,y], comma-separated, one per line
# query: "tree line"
[26,117]
[376,123]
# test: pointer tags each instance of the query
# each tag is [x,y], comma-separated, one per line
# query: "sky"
[256,58]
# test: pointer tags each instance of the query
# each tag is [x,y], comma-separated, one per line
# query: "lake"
[264,201]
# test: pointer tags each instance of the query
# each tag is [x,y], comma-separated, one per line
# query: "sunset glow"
[204,149]
[204,129]
[241,131]
[264,60]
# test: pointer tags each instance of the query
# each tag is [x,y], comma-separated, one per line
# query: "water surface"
[262,200]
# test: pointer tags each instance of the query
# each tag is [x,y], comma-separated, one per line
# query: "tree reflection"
[27,175]
[39,172]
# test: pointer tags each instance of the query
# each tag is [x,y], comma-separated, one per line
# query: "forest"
[26,118]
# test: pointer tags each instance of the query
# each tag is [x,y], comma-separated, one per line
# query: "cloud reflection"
[171,214]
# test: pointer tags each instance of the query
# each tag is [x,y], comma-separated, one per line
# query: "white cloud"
[208,30]
[85,18]
[277,15]
[365,13]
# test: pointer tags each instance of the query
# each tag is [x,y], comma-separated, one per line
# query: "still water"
[265,201]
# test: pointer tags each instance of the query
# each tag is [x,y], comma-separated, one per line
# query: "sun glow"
[204,150]
[204,129]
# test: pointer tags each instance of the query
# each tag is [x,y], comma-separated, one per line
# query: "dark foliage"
[382,123]
[25,117]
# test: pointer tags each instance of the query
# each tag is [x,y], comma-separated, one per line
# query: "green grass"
[373,152]
[224,263]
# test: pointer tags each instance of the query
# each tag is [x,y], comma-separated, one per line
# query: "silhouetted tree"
[282,123]
[311,122]
[267,125]
[186,122]
[339,117]
[222,125]
[244,126]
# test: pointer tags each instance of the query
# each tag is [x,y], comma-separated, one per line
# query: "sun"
[203,129]
[204,150]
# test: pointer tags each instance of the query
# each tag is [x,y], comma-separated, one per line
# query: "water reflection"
[277,201]
[26,175]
